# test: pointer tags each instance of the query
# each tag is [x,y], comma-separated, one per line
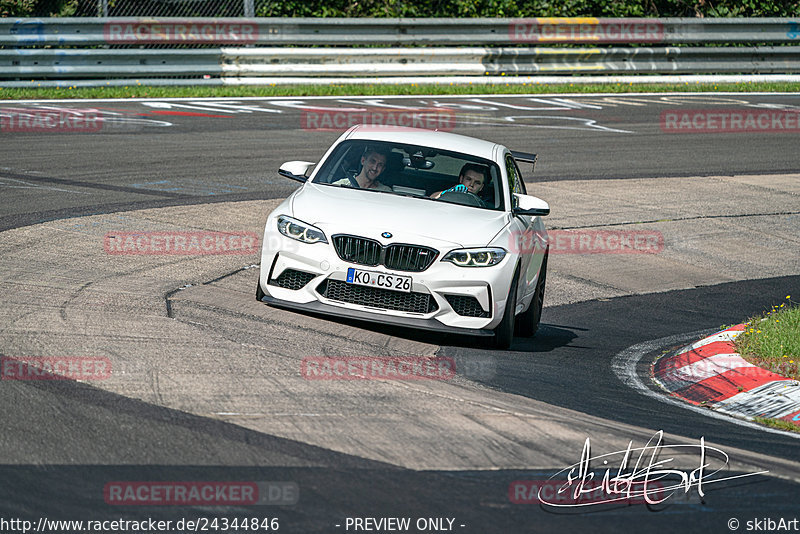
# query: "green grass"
[772,340]
[777,423]
[141,91]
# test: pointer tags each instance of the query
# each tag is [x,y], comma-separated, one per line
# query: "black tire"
[528,322]
[504,332]
[259,291]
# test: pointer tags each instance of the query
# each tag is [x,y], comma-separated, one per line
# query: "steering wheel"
[464,198]
[341,173]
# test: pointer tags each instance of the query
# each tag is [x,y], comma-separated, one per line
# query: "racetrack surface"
[206,382]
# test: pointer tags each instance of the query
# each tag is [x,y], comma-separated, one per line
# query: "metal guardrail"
[372,31]
[510,61]
[103,63]
[167,48]
[243,62]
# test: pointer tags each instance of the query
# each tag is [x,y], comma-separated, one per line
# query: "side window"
[520,179]
[514,178]
[343,162]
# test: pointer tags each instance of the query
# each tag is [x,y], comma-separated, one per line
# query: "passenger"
[471,180]
[373,163]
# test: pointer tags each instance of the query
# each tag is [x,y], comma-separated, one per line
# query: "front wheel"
[259,292]
[504,332]
[528,322]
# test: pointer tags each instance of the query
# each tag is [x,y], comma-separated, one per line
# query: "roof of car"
[429,138]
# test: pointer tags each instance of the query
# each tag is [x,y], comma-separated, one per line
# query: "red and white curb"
[711,373]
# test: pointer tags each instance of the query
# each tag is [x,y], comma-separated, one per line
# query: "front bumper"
[342,312]
[443,287]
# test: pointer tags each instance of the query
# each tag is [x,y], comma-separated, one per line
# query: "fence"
[197,49]
[161,8]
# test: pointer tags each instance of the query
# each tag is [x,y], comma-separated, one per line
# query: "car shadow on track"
[548,338]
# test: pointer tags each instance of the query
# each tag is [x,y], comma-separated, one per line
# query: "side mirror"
[528,205]
[296,170]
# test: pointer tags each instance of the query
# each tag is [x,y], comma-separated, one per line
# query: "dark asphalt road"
[583,338]
[157,153]
[569,366]
[134,163]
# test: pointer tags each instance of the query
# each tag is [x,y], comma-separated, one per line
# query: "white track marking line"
[521,95]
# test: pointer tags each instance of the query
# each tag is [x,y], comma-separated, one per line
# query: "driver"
[471,180]
[373,163]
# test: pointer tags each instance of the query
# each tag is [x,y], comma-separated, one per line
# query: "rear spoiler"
[526,157]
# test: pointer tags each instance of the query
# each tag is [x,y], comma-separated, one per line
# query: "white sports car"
[418,228]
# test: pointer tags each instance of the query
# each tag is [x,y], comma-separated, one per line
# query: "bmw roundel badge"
[386,235]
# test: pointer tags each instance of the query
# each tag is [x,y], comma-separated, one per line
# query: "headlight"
[475,257]
[300,231]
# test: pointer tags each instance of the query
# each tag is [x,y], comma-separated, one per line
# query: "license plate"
[395,282]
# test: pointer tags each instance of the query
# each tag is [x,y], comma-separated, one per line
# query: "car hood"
[341,210]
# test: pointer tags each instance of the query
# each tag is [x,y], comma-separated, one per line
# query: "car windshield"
[410,170]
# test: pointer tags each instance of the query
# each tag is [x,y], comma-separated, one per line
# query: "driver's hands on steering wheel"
[462,196]
[460,188]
